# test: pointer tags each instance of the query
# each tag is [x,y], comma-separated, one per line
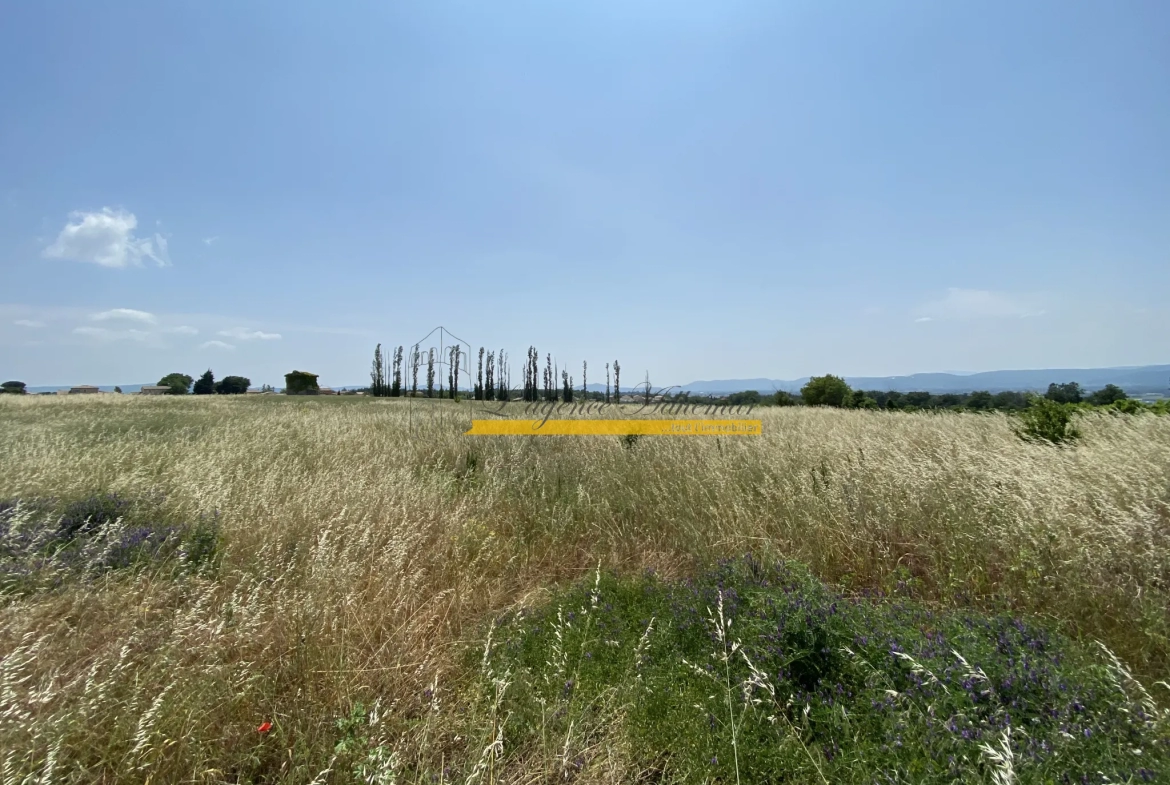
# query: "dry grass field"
[359,560]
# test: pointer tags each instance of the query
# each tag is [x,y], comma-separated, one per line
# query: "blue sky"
[767,189]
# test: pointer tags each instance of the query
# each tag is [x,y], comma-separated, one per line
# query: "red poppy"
[264,727]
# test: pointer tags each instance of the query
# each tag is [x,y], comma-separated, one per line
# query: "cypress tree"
[489,379]
[607,382]
[504,377]
[617,382]
[396,387]
[430,373]
[584,383]
[414,361]
[549,379]
[456,353]
[205,385]
[479,377]
[377,374]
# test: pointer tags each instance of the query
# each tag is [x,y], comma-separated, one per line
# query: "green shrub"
[1129,406]
[1046,420]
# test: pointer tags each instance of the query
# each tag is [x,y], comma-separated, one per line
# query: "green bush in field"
[760,673]
[1048,421]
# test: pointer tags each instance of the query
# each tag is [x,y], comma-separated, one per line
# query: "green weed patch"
[760,673]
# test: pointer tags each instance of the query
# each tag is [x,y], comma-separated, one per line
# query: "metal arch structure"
[441,361]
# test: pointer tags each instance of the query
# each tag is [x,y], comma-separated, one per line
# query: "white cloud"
[182,329]
[28,323]
[924,319]
[215,345]
[241,334]
[210,240]
[125,313]
[980,304]
[112,335]
[107,238]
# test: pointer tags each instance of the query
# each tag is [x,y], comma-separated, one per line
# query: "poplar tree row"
[493,378]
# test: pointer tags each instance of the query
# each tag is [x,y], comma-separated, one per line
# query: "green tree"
[783,398]
[233,385]
[117,389]
[857,399]
[1107,395]
[1009,400]
[980,400]
[919,399]
[456,354]
[745,398]
[430,373]
[503,376]
[13,388]
[378,388]
[827,390]
[1069,392]
[396,385]
[414,363]
[477,393]
[489,377]
[206,384]
[179,383]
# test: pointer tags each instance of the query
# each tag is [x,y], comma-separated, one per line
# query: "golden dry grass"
[361,559]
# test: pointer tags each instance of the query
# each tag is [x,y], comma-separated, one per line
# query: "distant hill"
[1139,380]
[1135,380]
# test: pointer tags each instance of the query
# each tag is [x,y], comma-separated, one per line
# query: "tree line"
[182,384]
[492,380]
[830,390]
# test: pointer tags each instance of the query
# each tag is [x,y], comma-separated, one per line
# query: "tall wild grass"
[362,551]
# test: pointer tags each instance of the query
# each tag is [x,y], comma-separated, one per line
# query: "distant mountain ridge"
[1139,380]
[1135,380]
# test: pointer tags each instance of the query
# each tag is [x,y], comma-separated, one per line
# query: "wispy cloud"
[128,314]
[980,304]
[215,345]
[182,329]
[242,334]
[210,240]
[28,323]
[104,334]
[106,238]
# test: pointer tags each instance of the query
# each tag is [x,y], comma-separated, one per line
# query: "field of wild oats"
[230,589]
